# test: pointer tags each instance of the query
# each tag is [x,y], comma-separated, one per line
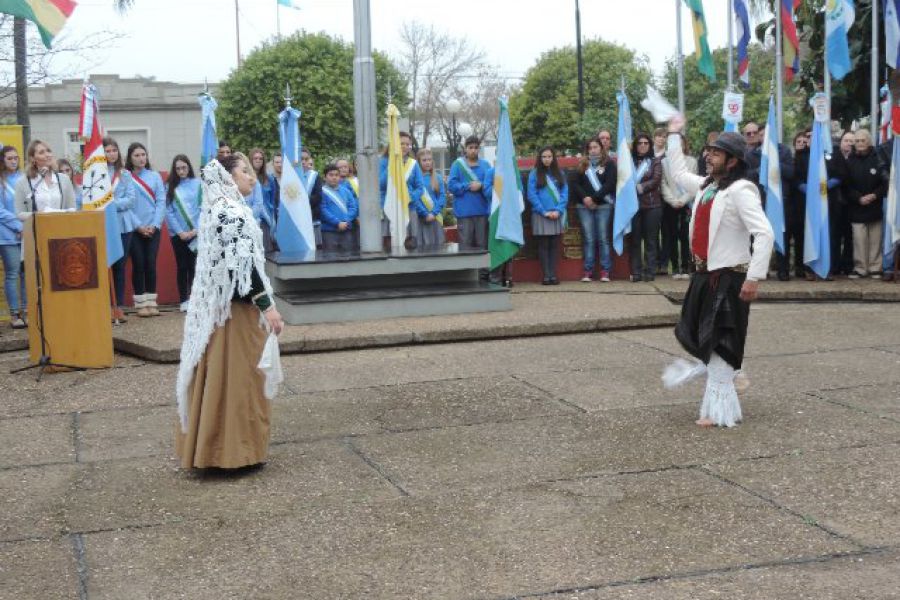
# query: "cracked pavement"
[543,467]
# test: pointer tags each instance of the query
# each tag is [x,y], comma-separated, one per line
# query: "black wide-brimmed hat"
[732,143]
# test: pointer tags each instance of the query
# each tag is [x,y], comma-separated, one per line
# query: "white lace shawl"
[230,245]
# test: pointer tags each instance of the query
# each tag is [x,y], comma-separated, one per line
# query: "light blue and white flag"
[770,179]
[892,202]
[839,17]
[505,235]
[626,186]
[892,32]
[817,240]
[209,141]
[294,231]
[290,3]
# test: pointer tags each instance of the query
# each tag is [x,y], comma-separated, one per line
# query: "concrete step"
[324,306]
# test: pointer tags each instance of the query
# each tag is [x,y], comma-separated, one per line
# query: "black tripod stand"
[45,361]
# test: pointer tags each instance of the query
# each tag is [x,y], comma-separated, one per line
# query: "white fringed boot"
[140,303]
[152,308]
[720,402]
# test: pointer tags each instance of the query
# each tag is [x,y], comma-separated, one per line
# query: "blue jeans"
[594,230]
[13,277]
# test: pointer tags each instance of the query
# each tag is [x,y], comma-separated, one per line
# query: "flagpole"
[873,87]
[779,71]
[237,32]
[366,125]
[278,20]
[680,58]
[730,44]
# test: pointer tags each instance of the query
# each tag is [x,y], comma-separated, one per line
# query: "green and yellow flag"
[701,43]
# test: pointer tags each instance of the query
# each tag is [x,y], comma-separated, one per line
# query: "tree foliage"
[703,100]
[545,110]
[319,69]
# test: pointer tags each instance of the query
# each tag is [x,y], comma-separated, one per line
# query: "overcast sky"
[187,40]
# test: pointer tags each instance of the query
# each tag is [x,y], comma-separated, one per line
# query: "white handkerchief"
[270,365]
[658,106]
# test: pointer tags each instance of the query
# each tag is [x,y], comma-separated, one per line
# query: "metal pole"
[237,32]
[580,59]
[873,91]
[680,58]
[20,50]
[779,73]
[730,44]
[278,21]
[366,124]
[826,79]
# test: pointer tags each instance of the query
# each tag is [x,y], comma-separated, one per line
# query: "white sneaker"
[183,306]
[876,275]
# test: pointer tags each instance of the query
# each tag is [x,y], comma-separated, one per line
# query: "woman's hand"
[273,320]
[676,123]
[429,218]
[588,202]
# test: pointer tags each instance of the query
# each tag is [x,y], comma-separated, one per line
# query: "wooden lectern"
[74,315]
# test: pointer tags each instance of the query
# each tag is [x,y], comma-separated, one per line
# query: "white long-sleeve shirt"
[736,215]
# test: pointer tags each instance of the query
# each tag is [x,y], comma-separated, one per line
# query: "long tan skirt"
[228,416]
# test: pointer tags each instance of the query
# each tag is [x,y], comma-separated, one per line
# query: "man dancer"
[727,215]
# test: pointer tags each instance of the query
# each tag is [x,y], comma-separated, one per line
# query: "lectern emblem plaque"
[73,264]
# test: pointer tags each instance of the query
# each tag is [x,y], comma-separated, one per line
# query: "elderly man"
[727,216]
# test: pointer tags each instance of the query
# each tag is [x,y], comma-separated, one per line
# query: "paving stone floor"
[543,467]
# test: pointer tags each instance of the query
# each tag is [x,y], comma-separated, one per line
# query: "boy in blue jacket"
[339,209]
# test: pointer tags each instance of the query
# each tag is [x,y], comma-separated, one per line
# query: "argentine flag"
[505,234]
[294,231]
[816,241]
[839,16]
[892,33]
[209,141]
[626,188]
[770,179]
[891,201]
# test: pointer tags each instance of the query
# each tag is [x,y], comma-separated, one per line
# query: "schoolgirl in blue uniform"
[149,211]
[183,201]
[548,193]
[124,198]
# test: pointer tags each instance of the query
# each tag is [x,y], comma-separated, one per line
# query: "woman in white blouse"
[42,189]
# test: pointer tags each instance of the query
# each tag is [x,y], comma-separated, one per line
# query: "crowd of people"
[659,244]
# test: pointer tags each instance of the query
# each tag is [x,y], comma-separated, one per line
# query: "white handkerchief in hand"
[270,365]
[658,106]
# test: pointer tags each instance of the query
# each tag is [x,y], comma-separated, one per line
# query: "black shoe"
[635,278]
[554,281]
[545,282]
[649,277]
[783,276]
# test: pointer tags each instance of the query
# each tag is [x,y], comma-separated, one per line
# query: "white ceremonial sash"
[310,181]
[592,177]
[336,198]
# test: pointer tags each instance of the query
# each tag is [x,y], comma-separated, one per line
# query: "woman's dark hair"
[261,176]
[586,157]
[108,141]
[3,152]
[643,136]
[542,171]
[131,148]
[230,162]
[174,179]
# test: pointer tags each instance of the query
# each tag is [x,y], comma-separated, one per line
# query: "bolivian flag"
[49,15]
